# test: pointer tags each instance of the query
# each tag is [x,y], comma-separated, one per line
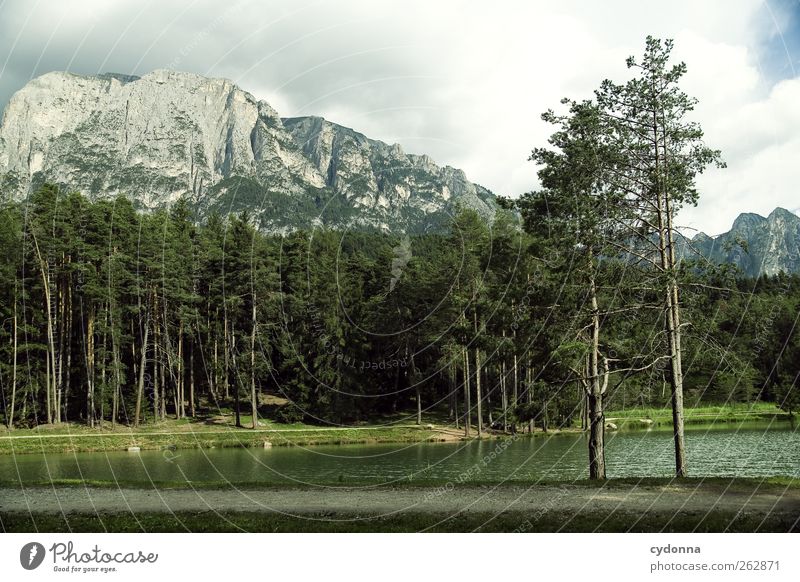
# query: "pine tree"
[660,154]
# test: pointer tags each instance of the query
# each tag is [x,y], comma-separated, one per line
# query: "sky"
[462,81]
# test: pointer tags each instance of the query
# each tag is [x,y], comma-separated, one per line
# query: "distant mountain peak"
[783,213]
[747,220]
[757,245]
[701,236]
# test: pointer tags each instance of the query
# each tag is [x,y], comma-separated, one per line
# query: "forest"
[571,300]
[121,316]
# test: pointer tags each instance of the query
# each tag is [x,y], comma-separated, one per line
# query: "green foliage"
[351,326]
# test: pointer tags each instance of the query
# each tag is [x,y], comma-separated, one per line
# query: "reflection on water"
[745,451]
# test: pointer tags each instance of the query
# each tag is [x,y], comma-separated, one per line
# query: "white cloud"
[763,172]
[760,139]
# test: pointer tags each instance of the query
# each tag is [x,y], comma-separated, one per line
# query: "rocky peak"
[155,138]
[783,215]
[747,220]
[757,245]
[380,176]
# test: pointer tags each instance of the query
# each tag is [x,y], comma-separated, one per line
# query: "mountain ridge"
[758,245]
[168,134]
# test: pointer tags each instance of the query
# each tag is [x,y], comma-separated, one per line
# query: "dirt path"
[566,498]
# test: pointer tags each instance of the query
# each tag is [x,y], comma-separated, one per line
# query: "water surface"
[747,450]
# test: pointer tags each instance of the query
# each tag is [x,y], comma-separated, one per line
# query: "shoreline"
[98,440]
[75,438]
[206,439]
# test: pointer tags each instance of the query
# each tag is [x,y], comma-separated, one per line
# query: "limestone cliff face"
[169,134]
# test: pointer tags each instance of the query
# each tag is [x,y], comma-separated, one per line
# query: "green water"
[752,450]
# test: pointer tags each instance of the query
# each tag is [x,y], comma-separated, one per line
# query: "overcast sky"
[464,82]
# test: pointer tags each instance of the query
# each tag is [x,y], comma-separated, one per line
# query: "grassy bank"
[719,485]
[185,434]
[640,417]
[714,511]
[219,431]
[516,522]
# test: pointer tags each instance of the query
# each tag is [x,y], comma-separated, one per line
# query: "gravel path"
[566,498]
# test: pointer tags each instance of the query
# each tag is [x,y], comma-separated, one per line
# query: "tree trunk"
[175,396]
[161,362]
[529,391]
[253,395]
[584,408]
[227,352]
[504,395]
[597,459]
[191,379]
[50,375]
[478,391]
[134,362]
[478,398]
[117,380]
[103,365]
[157,349]
[515,394]
[451,410]
[156,386]
[181,411]
[59,369]
[235,380]
[667,251]
[412,379]
[677,365]
[597,463]
[454,378]
[488,383]
[467,396]
[89,343]
[142,366]
[10,419]
[68,365]
[212,387]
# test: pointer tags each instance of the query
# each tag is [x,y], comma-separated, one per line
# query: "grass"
[76,438]
[776,485]
[737,412]
[588,519]
[218,431]
[186,434]
[512,521]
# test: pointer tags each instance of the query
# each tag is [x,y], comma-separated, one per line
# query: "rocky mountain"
[169,134]
[757,245]
[381,177]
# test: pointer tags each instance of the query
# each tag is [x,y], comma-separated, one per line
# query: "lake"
[746,450]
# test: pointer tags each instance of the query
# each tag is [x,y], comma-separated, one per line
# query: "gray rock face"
[757,245]
[170,134]
[375,176]
[155,138]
